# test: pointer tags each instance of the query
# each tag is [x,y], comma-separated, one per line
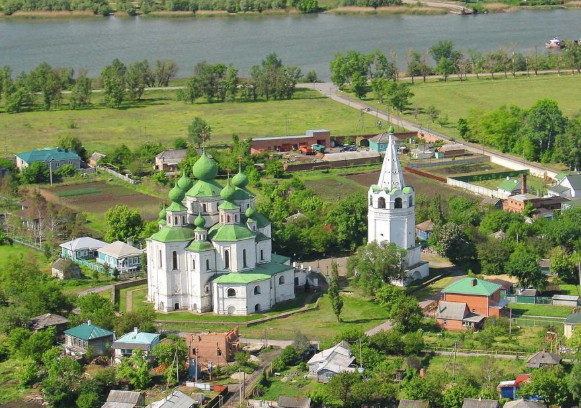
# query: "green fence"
[491,176]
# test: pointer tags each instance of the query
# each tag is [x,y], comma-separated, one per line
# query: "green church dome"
[162,213]
[185,183]
[176,194]
[391,130]
[250,212]
[228,192]
[200,221]
[205,168]
[240,180]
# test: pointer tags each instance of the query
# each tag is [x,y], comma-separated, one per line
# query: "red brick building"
[288,143]
[215,347]
[467,302]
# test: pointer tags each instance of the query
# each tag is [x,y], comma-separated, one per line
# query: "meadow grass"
[16,250]
[78,192]
[523,309]
[161,118]
[457,98]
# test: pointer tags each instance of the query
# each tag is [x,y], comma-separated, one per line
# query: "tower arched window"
[244,258]
[204,208]
[411,202]
[262,255]
[193,264]
[231,292]
[398,202]
[370,200]
[174,260]
[381,202]
[257,290]
[227,218]
[281,280]
[207,264]
[226,259]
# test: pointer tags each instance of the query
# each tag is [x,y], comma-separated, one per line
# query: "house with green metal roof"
[85,335]
[571,323]
[480,298]
[213,250]
[53,157]
[135,340]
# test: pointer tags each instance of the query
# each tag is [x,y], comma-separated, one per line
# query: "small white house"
[81,248]
[121,256]
[569,186]
[134,340]
[337,359]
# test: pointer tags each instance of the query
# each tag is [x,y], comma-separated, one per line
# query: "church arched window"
[226,259]
[244,258]
[257,290]
[231,292]
[370,200]
[411,202]
[398,202]
[381,202]
[281,280]
[207,264]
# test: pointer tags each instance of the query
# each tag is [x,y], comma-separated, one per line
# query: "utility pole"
[510,321]
[196,368]
[454,363]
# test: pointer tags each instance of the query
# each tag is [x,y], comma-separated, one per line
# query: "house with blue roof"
[134,340]
[80,338]
[53,157]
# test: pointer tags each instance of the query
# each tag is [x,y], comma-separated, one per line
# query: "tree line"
[99,7]
[357,69]
[540,133]
[42,88]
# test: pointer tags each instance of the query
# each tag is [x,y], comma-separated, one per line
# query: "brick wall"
[215,347]
[476,304]
[450,325]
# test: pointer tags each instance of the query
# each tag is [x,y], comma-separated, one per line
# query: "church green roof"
[227,205]
[185,183]
[204,188]
[200,246]
[261,237]
[261,220]
[175,207]
[228,191]
[261,272]
[162,213]
[408,189]
[240,180]
[241,194]
[230,233]
[173,234]
[48,154]
[472,286]
[176,194]
[205,168]
[200,221]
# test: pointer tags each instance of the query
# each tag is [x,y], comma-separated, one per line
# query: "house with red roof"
[509,389]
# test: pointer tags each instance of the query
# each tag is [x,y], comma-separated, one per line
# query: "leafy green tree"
[164,71]
[88,400]
[137,78]
[349,220]
[498,220]
[123,223]
[445,67]
[73,144]
[548,383]
[376,264]
[454,243]
[359,85]
[433,113]
[37,172]
[141,318]
[563,265]
[135,370]
[345,66]
[443,49]
[81,92]
[274,168]
[334,296]
[114,84]
[455,395]
[568,145]
[493,255]
[199,132]
[97,309]
[574,381]
[165,353]
[427,389]
[462,127]
[340,387]
[523,265]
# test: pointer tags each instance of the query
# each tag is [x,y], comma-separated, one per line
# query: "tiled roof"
[87,331]
[543,358]
[472,286]
[47,154]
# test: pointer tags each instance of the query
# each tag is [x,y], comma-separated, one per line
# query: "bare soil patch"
[102,196]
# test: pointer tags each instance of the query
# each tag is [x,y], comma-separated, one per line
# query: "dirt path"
[129,301]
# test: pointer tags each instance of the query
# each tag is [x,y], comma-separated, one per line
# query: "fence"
[427,175]
[537,322]
[437,162]
[118,175]
[91,265]
[492,176]
[483,191]
[118,286]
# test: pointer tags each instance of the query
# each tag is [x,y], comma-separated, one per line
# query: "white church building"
[391,213]
[213,251]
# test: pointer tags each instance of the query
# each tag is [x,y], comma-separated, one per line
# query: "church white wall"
[284,286]
[236,255]
[266,248]
[233,305]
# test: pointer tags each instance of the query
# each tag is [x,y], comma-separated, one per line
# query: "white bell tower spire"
[391,175]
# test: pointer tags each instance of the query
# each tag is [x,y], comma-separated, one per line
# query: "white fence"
[440,162]
[483,191]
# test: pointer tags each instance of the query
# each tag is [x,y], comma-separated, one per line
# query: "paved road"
[98,289]
[330,90]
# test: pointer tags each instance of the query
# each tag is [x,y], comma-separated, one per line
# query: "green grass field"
[6,251]
[521,309]
[161,118]
[456,98]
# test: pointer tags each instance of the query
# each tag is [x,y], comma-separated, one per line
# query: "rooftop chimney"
[474,282]
[523,182]
[135,330]
[89,322]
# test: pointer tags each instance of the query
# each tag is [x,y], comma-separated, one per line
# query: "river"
[308,41]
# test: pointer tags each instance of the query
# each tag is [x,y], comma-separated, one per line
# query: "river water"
[309,41]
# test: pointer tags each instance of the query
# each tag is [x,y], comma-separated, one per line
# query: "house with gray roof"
[124,399]
[455,316]
[543,359]
[479,403]
[570,324]
[168,160]
[134,340]
[520,403]
[80,338]
[413,404]
[569,186]
[293,402]
[81,248]
[65,269]
[337,359]
[47,320]
[176,399]
[120,256]
[53,157]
